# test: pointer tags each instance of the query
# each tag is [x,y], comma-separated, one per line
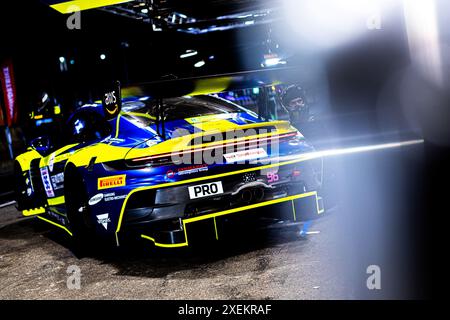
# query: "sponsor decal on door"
[47,183]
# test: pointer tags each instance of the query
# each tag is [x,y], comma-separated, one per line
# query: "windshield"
[179,108]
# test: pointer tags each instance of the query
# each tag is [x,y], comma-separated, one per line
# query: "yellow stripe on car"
[117,126]
[56,224]
[103,152]
[33,212]
[56,201]
[25,159]
[80,5]
[252,206]
[163,245]
[216,125]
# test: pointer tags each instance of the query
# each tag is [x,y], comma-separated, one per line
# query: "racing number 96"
[272,177]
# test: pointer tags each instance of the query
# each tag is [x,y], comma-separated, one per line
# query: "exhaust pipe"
[252,195]
[258,194]
[246,196]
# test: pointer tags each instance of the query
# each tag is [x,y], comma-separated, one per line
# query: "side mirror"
[43,145]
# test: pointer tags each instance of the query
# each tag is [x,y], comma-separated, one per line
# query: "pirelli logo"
[111,182]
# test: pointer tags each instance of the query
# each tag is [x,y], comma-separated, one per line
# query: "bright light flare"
[330,23]
[351,150]
[272,62]
[423,38]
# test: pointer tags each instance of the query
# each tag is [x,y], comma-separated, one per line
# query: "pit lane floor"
[274,264]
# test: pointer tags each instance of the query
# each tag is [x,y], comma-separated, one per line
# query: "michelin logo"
[104,219]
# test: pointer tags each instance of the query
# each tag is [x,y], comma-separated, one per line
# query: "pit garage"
[220,150]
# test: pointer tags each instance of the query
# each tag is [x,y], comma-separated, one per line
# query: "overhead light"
[199,64]
[156,28]
[62,64]
[327,24]
[211,57]
[188,53]
[145,10]
[249,22]
[102,56]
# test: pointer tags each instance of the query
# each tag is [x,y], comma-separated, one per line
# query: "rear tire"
[20,188]
[78,212]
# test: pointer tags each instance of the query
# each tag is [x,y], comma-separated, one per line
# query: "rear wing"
[159,90]
[214,83]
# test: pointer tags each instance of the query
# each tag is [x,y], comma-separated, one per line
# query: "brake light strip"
[214,147]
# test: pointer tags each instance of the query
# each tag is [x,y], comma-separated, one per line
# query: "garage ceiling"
[191,16]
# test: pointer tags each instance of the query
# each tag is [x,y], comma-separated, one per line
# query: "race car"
[154,167]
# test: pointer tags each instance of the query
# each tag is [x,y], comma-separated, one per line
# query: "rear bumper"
[297,208]
[162,214]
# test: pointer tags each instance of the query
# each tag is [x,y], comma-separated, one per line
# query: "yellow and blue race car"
[154,167]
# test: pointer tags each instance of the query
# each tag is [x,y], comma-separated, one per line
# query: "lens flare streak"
[351,150]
